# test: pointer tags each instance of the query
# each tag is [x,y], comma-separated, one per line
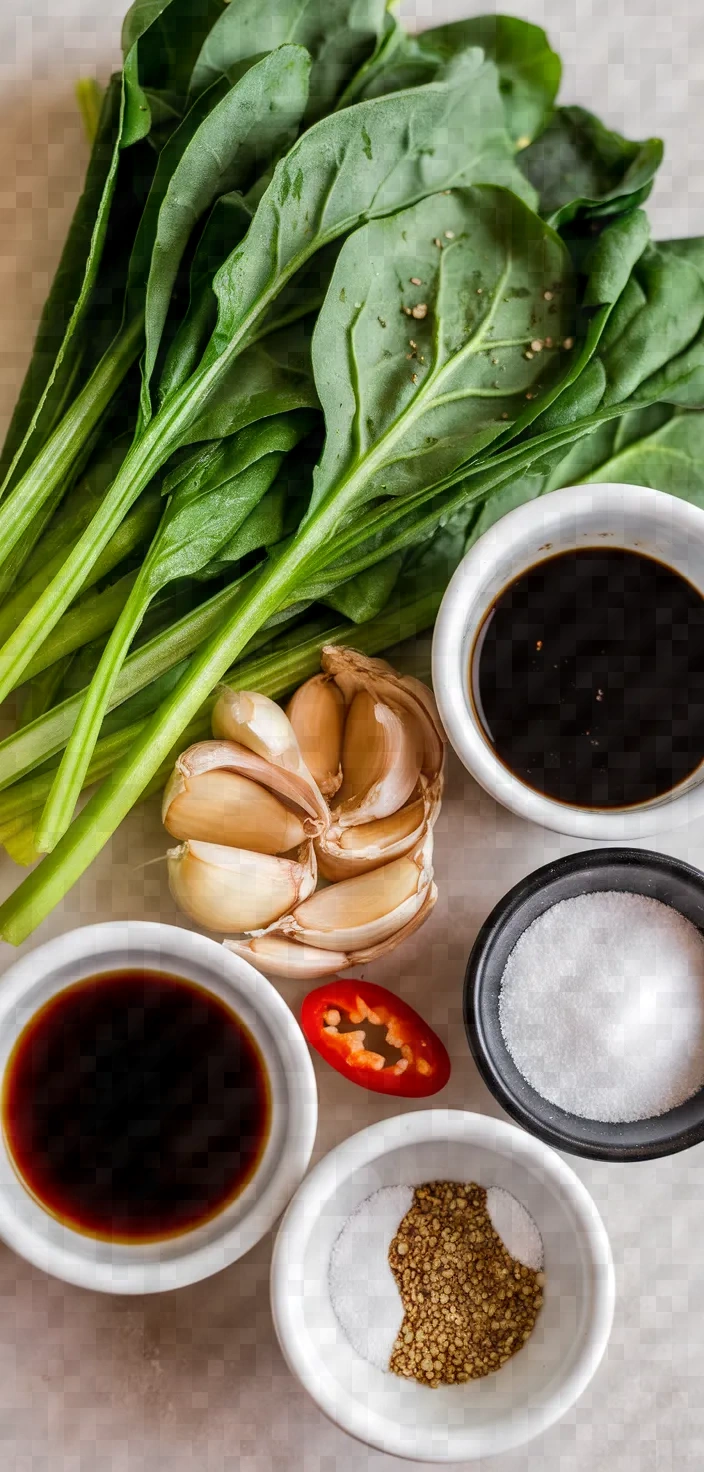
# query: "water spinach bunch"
[373,290]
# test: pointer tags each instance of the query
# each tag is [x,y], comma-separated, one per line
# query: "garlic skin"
[277,955]
[317,715]
[230,889]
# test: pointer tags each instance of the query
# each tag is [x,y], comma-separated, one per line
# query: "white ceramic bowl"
[460,1422]
[632,517]
[153,1267]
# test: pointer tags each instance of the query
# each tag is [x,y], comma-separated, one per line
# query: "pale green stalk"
[58,456]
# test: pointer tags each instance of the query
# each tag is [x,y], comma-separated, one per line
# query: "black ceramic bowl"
[651,874]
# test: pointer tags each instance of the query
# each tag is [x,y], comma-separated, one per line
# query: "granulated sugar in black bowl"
[556,1043]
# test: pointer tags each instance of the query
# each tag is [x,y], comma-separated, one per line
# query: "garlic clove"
[381,762]
[277,955]
[231,889]
[371,844]
[366,910]
[317,715]
[262,727]
[353,672]
[295,789]
[220,806]
[258,723]
[373,953]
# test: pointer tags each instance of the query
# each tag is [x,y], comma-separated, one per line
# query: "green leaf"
[338,34]
[52,365]
[273,376]
[414,399]
[223,144]
[360,164]
[580,167]
[660,319]
[364,596]
[671,459]
[160,42]
[529,70]
[207,508]
[227,224]
[263,527]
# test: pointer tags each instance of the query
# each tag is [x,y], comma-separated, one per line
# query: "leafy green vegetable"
[363,163]
[579,167]
[224,147]
[224,142]
[54,363]
[339,35]
[466,357]
[529,70]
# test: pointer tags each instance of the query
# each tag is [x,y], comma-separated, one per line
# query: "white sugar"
[515,1227]
[362,1286]
[602,1006]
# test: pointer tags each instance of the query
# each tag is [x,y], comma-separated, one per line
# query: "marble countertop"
[194,1379]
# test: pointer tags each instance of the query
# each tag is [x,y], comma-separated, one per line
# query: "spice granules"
[468,1305]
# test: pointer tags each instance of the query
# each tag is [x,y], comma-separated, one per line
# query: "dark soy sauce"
[588,677]
[135,1106]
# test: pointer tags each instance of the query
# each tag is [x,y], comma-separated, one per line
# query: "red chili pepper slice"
[423,1067]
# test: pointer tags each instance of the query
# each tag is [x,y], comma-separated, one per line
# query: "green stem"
[89,96]
[71,775]
[24,750]
[58,455]
[87,620]
[135,529]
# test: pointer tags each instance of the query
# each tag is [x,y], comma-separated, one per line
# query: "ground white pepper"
[468,1305]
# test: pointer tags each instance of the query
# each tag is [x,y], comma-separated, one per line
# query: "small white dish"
[156,1266]
[454,1423]
[632,517]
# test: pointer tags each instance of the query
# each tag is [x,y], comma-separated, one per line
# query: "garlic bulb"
[233,889]
[348,783]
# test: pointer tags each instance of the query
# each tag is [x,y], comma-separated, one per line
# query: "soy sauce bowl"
[623,869]
[153,1266]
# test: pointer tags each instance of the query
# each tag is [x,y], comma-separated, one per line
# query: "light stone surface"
[194,1379]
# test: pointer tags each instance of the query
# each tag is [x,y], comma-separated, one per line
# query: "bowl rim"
[571,506]
[71,1258]
[567,864]
[288,1287]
